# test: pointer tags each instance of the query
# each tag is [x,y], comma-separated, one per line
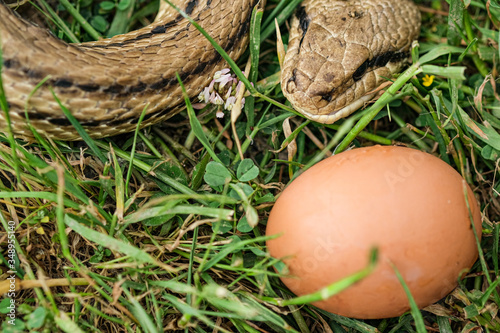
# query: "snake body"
[338,51]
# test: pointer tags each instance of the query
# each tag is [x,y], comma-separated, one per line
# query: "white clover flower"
[228,94]
[198,106]
[229,103]
[222,77]
[212,94]
[204,96]
[211,86]
[217,100]
[218,74]
[223,80]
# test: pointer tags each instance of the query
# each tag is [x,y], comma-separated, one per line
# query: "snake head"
[340,51]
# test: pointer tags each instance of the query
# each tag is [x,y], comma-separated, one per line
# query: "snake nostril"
[319,101]
[291,87]
[327,98]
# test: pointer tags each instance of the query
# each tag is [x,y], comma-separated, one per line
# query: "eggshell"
[409,204]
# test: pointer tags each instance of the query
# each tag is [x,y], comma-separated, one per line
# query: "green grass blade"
[121,20]
[335,287]
[112,243]
[415,311]
[79,128]
[80,19]
[195,124]
[141,315]
[281,13]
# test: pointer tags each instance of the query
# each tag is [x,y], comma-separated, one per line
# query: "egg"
[408,204]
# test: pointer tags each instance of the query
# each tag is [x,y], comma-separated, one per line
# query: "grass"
[163,229]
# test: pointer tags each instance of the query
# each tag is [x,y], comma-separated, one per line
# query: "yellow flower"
[427,80]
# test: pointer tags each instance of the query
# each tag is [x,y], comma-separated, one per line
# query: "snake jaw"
[338,114]
[341,101]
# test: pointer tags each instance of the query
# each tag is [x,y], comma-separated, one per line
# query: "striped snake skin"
[338,51]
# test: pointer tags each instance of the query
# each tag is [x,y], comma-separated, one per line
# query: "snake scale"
[338,52]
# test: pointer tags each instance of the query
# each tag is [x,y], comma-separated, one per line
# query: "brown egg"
[409,204]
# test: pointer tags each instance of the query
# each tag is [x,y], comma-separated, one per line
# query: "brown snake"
[338,51]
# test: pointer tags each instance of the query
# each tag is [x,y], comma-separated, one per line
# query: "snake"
[338,53]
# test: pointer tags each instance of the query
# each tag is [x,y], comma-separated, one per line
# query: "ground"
[164,229]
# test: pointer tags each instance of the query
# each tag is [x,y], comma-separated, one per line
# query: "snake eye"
[358,74]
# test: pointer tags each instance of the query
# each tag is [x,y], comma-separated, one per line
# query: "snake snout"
[322,96]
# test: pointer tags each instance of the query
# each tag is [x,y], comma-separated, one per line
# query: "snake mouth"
[332,117]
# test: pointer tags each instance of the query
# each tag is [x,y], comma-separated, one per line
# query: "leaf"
[269,197]
[173,171]
[444,325]
[247,190]
[254,46]
[451,72]
[221,227]
[107,5]
[17,327]
[455,22]
[251,213]
[252,216]
[4,305]
[225,157]
[471,311]
[438,51]
[99,23]
[484,132]
[36,318]
[471,327]
[198,172]
[243,225]
[247,170]
[490,153]
[216,174]
[166,211]
[271,173]
[485,297]
[124,4]
[280,47]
